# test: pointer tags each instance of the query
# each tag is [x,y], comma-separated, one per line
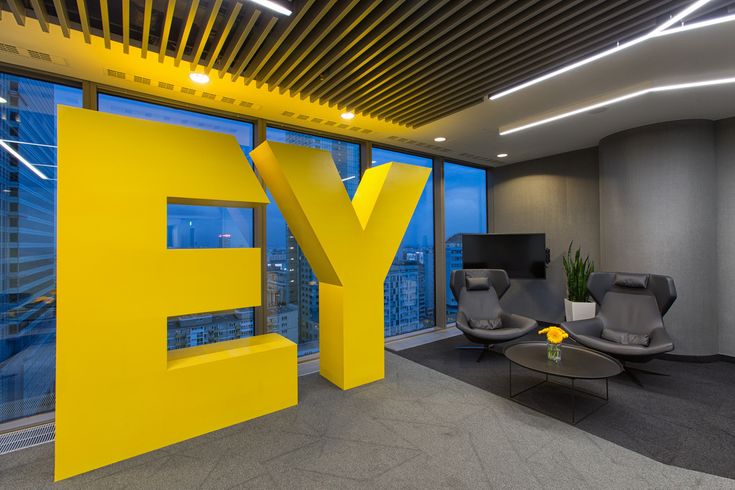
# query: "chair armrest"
[660,339]
[511,320]
[591,327]
[462,322]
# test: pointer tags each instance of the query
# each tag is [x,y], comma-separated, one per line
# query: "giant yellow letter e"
[119,393]
[350,246]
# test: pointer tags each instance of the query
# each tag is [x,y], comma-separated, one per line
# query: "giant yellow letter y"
[350,246]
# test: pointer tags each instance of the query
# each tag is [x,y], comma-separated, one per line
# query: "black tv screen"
[522,256]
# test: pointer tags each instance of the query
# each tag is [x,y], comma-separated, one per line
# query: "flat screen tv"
[522,256]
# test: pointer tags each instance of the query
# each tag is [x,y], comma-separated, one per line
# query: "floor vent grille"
[25,438]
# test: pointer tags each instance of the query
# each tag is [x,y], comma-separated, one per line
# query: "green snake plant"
[577,272]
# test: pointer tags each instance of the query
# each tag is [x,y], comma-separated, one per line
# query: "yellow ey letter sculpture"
[119,392]
[350,246]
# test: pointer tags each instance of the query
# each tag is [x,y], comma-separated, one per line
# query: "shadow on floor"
[686,419]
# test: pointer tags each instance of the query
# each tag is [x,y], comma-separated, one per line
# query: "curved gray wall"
[658,213]
[725,151]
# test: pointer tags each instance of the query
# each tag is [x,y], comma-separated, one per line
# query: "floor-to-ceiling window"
[409,287]
[28,243]
[465,211]
[293,290]
[200,226]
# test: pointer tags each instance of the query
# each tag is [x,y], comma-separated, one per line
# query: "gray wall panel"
[559,196]
[658,201]
[725,153]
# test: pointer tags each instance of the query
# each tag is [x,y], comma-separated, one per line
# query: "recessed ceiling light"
[199,77]
[3,101]
[654,33]
[615,100]
[347,116]
[502,155]
[273,6]
[440,139]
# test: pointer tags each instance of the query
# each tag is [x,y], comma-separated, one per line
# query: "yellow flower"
[554,335]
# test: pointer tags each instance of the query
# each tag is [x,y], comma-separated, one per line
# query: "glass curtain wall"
[28,240]
[28,165]
[409,286]
[465,211]
[200,226]
[293,290]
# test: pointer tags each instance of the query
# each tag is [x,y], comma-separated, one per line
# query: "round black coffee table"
[577,362]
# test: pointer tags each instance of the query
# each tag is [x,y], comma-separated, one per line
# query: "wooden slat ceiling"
[409,62]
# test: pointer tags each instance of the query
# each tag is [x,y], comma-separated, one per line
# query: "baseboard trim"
[699,359]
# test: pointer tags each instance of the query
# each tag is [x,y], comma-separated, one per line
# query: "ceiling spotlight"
[199,77]
[440,139]
[273,6]
[347,116]
[502,155]
[3,101]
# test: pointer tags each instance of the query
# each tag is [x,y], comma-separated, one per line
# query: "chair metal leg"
[630,371]
[483,348]
[646,371]
[633,377]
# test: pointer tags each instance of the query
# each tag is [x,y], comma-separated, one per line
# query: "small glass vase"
[553,352]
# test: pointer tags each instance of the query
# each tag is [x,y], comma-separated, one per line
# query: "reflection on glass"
[293,290]
[200,226]
[465,208]
[28,243]
[409,287]
[209,227]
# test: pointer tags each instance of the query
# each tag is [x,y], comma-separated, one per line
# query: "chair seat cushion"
[625,338]
[494,336]
[485,323]
[616,349]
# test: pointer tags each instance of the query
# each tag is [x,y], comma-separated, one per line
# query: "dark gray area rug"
[686,419]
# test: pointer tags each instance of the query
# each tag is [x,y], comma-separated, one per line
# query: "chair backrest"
[634,303]
[478,301]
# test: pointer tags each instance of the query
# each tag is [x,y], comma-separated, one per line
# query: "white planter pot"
[575,310]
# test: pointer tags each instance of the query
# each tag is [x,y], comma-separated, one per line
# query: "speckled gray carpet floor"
[418,428]
[686,419]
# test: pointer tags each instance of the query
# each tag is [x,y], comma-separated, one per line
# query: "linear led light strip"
[273,6]
[658,30]
[615,100]
[697,25]
[22,160]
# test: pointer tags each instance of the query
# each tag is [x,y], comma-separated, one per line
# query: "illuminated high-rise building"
[27,247]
